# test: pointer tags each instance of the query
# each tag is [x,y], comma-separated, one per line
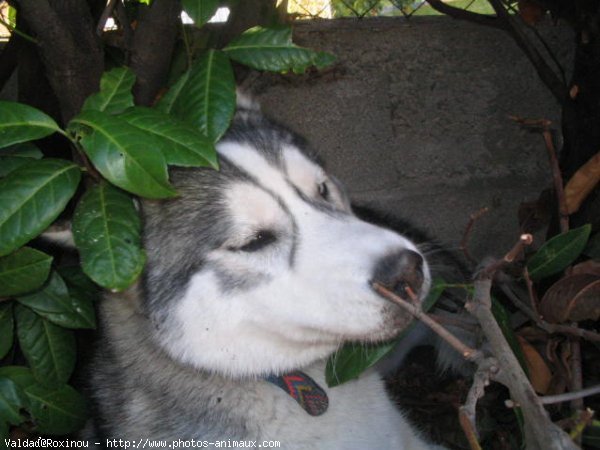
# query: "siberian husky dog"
[255,275]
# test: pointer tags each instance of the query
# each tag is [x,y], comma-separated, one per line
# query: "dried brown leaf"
[540,375]
[582,183]
[590,266]
[572,298]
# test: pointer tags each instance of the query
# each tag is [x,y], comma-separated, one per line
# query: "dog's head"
[262,267]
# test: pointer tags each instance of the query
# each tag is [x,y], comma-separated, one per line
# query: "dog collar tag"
[304,390]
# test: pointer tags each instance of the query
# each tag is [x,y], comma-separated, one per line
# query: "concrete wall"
[414,119]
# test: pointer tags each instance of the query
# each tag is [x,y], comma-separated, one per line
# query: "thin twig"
[558,181]
[583,420]
[576,381]
[533,298]
[467,412]
[19,33]
[524,240]
[464,243]
[550,328]
[468,353]
[543,125]
[568,396]
[540,432]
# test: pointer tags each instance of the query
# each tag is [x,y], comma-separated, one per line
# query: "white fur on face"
[295,300]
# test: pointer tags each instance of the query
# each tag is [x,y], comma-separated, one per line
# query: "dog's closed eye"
[323,190]
[259,241]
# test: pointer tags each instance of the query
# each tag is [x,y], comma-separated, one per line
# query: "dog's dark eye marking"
[259,241]
[324,191]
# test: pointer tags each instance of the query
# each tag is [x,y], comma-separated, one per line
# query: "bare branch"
[517,31]
[551,328]
[467,352]
[567,397]
[465,239]
[462,14]
[540,432]
[467,412]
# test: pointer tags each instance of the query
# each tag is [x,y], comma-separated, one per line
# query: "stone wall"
[414,119]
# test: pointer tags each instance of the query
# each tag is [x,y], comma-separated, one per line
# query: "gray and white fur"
[257,269]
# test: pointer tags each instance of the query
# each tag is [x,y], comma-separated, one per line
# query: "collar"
[302,388]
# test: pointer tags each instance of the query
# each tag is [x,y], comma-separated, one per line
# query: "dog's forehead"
[291,166]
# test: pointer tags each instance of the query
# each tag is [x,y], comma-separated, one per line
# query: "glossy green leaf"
[354,358]
[54,303]
[106,228]
[12,400]
[125,155]
[11,158]
[200,11]
[22,123]
[23,271]
[48,348]
[31,197]
[558,253]
[167,102]
[115,92]
[183,145]
[56,411]
[205,95]
[6,328]
[79,284]
[272,49]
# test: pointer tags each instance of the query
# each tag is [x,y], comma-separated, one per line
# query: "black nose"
[399,270]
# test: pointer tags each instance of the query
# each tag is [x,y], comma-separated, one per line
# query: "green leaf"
[503,319]
[354,358]
[272,49]
[205,95]
[56,411]
[54,303]
[591,435]
[115,92]
[125,155]
[79,284]
[593,247]
[558,253]
[12,400]
[11,158]
[106,229]
[22,123]
[183,145]
[6,328]
[48,348]
[31,197]
[20,375]
[23,271]
[167,102]
[200,11]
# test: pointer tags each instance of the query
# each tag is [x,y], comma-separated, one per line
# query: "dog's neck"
[302,388]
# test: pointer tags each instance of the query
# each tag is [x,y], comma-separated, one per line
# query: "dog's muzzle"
[400,270]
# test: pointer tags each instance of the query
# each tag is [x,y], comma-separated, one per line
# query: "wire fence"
[329,9]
